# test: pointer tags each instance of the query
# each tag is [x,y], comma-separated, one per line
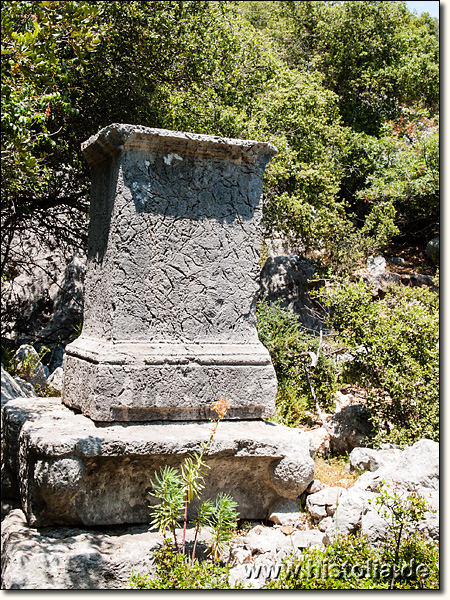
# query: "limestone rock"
[240,556]
[28,362]
[323,503]
[325,525]
[55,380]
[380,283]
[349,428]
[314,486]
[311,537]
[432,250]
[287,513]
[414,469]
[72,471]
[10,388]
[369,459]
[320,439]
[45,299]
[349,510]
[286,279]
[261,540]
[73,559]
[376,265]
[27,388]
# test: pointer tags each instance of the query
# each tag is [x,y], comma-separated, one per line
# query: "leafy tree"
[374,56]
[405,180]
[42,44]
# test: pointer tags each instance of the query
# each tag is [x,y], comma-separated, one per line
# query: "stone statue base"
[172,277]
[71,471]
[137,381]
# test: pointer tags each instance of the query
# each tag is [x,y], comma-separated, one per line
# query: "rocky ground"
[105,558]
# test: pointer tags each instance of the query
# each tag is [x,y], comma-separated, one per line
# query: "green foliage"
[319,79]
[405,179]
[176,490]
[290,346]
[222,519]
[405,560]
[359,65]
[400,510]
[173,572]
[352,563]
[373,55]
[41,43]
[168,487]
[395,344]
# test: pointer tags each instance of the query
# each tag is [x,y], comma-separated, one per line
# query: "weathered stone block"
[171,280]
[73,471]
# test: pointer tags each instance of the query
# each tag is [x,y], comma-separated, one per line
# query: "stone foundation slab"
[72,471]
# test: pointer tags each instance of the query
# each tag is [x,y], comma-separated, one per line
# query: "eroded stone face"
[71,470]
[172,276]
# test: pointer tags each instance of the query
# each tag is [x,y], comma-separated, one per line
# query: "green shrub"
[351,562]
[175,490]
[395,344]
[174,572]
[290,346]
[401,511]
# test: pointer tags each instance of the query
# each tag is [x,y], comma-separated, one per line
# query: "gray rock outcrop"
[11,388]
[73,559]
[414,469]
[349,428]
[44,301]
[432,250]
[287,279]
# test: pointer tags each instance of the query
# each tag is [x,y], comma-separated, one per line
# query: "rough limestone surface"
[369,459]
[414,469]
[10,388]
[376,265]
[349,428]
[287,279]
[171,279]
[73,471]
[74,559]
[323,503]
[432,249]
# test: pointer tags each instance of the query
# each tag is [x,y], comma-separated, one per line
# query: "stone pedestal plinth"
[172,276]
[72,471]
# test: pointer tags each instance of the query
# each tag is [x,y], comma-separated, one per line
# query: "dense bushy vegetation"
[291,348]
[347,91]
[334,567]
[395,348]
